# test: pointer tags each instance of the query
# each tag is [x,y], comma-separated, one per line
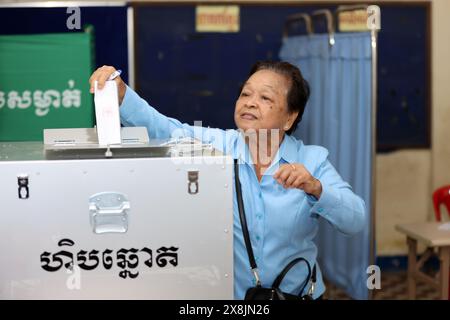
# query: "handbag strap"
[276,283]
[248,244]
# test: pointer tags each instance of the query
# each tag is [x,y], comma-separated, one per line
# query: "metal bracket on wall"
[292,19]
[330,23]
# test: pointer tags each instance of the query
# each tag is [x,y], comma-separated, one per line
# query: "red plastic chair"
[441,196]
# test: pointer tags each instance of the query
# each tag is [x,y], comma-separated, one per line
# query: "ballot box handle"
[109,212]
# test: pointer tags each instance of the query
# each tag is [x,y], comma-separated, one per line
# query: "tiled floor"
[393,287]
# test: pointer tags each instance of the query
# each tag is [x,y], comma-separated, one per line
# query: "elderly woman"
[286,185]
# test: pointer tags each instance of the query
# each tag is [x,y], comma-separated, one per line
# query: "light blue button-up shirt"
[282,222]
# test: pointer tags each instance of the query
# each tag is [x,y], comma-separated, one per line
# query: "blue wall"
[196,76]
[110,28]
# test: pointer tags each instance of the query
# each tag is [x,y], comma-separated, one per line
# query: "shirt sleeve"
[136,112]
[338,203]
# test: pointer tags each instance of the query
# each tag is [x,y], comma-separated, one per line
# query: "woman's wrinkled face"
[262,103]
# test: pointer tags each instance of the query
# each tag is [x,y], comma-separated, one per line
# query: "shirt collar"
[287,151]
[241,151]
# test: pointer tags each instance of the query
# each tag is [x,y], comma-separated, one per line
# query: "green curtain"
[44,84]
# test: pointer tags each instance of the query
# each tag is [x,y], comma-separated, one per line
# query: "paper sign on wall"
[355,20]
[217,18]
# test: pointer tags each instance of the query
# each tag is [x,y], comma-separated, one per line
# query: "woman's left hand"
[296,176]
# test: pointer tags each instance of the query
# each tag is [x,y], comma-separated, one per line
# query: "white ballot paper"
[107,114]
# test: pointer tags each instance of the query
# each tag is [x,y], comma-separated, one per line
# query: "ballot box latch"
[24,191]
[109,212]
[193,182]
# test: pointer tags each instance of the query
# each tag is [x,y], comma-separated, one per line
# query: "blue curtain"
[338,117]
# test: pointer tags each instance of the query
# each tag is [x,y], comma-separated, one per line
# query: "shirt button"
[258,237]
[320,210]
[259,216]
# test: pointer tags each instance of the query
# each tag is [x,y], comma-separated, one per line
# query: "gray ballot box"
[140,220]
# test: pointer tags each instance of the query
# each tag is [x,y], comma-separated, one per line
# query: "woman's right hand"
[102,75]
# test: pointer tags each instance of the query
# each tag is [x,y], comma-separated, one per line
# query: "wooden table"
[432,236]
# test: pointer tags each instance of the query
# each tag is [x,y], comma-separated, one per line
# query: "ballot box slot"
[83,143]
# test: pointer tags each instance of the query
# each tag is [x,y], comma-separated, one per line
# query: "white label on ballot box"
[107,114]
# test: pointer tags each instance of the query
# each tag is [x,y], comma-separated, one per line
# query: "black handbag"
[273,293]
